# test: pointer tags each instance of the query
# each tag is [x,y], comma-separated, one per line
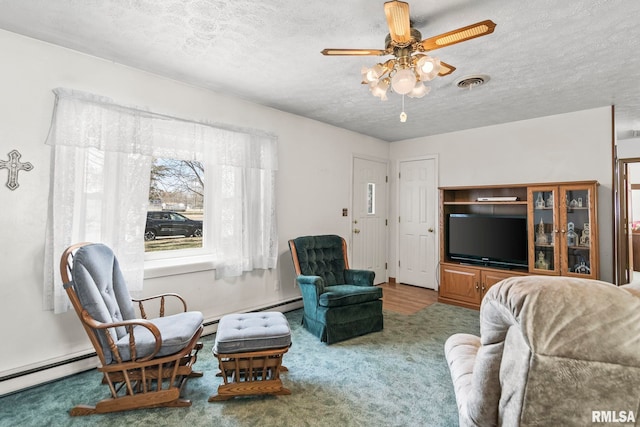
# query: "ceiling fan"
[411,66]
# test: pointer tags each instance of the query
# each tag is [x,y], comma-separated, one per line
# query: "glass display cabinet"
[563,231]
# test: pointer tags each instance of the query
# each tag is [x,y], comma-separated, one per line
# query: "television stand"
[465,285]
[562,234]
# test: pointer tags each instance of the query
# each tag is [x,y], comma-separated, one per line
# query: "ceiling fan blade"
[397,13]
[445,69]
[460,35]
[356,52]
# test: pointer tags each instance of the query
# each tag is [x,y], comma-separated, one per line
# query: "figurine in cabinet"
[550,201]
[541,237]
[582,268]
[572,236]
[585,239]
[541,263]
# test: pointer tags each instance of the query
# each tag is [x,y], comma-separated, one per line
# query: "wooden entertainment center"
[562,234]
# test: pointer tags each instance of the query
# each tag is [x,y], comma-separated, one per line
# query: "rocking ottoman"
[249,348]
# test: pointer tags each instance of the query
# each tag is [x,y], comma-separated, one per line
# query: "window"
[103,153]
[175,214]
[371,198]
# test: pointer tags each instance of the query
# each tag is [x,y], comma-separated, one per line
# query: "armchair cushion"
[359,277]
[322,256]
[101,286]
[339,295]
[176,331]
[102,290]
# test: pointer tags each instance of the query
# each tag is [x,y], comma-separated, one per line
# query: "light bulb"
[403,117]
[366,75]
[380,89]
[428,67]
[419,90]
[371,75]
[403,81]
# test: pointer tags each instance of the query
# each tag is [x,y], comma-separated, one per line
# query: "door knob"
[430,230]
[355,230]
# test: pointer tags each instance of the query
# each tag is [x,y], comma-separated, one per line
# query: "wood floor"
[406,299]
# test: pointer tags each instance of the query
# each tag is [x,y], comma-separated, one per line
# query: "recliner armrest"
[310,280]
[307,282]
[460,351]
[359,277]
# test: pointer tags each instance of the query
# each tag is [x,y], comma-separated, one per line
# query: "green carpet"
[396,377]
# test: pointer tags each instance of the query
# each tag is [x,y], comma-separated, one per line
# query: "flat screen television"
[491,240]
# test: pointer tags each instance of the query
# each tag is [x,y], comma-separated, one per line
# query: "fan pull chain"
[403,115]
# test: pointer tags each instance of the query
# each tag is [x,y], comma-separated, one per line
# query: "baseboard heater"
[33,377]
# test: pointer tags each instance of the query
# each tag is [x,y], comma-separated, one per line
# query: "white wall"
[628,149]
[313,185]
[568,147]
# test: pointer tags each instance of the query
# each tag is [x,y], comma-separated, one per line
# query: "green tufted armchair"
[339,303]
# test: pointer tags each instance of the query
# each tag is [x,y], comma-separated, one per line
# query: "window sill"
[178,265]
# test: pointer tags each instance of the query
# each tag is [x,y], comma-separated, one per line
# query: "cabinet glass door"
[543,253]
[576,228]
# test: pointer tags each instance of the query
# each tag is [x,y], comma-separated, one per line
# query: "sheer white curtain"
[101,161]
[242,181]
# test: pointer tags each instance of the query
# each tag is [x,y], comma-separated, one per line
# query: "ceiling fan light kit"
[410,67]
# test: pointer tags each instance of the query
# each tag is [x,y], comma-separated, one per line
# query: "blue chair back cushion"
[321,256]
[101,289]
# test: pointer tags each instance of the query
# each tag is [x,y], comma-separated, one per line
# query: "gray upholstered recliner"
[339,303]
[553,351]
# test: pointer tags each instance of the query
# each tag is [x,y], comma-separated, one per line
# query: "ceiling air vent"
[471,82]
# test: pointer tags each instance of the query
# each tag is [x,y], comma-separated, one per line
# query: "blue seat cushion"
[340,295]
[239,333]
[176,331]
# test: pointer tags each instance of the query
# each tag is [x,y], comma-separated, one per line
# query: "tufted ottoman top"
[238,333]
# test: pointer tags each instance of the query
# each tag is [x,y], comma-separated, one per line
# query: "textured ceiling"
[545,57]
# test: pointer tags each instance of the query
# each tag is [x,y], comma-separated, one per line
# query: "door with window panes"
[369,224]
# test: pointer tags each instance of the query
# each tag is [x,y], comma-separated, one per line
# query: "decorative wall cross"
[14,165]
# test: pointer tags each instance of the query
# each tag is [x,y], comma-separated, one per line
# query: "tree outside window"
[176,205]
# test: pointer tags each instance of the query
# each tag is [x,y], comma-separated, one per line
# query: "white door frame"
[386,204]
[436,208]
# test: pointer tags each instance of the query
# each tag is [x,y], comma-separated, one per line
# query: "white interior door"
[417,226]
[369,219]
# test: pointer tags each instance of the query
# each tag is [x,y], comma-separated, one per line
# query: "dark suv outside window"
[163,223]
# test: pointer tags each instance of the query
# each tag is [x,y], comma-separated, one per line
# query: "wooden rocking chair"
[144,362]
